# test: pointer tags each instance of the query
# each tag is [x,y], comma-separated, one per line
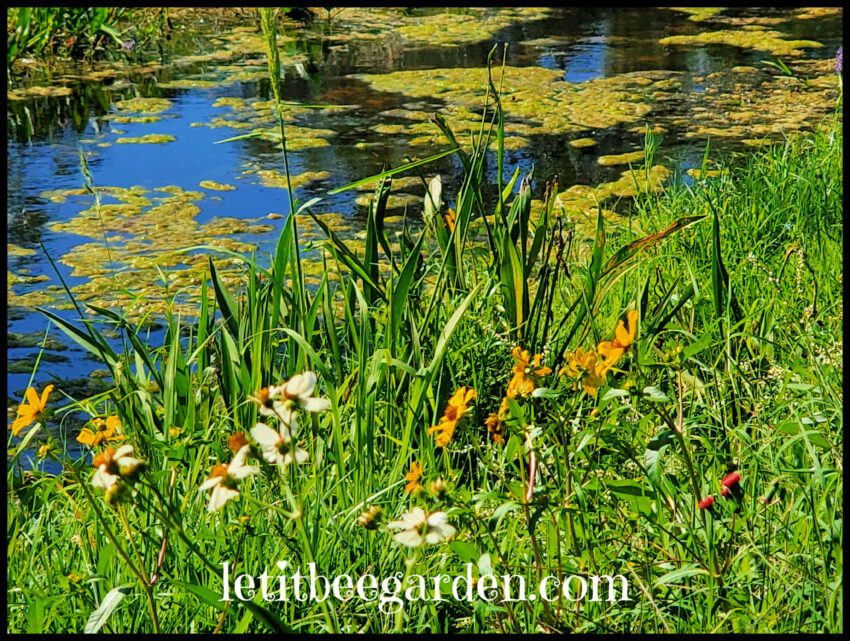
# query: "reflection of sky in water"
[582,59]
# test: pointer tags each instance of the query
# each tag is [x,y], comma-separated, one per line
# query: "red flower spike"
[724,491]
[731,479]
[706,502]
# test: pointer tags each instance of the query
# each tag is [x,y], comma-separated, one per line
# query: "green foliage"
[68,30]
[735,364]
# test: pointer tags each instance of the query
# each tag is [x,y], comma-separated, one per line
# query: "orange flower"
[496,422]
[450,219]
[28,414]
[526,372]
[454,412]
[624,336]
[102,432]
[586,367]
[415,473]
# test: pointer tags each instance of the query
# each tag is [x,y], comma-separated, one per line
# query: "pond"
[580,90]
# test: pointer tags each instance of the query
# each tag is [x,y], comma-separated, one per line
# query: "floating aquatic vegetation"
[39,92]
[15,250]
[697,14]
[133,119]
[144,105]
[232,102]
[15,279]
[136,238]
[211,184]
[535,97]
[620,159]
[148,139]
[394,201]
[773,42]
[581,143]
[451,29]
[708,173]
[273,178]
[810,13]
[34,339]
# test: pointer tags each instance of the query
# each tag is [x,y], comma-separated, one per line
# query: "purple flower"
[128,45]
[839,60]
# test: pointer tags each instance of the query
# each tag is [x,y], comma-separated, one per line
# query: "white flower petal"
[439,533]
[272,455]
[299,456]
[315,404]
[410,538]
[412,519]
[220,496]
[301,385]
[104,479]
[124,450]
[212,482]
[264,435]
[437,519]
[244,472]
[238,460]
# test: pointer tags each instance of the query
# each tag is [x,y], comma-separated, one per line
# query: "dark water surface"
[321,60]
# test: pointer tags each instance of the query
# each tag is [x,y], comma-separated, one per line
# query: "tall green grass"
[70,30]
[736,366]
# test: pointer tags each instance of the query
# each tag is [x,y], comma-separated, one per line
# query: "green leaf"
[653,452]
[467,552]
[204,594]
[402,287]
[107,607]
[655,394]
[392,172]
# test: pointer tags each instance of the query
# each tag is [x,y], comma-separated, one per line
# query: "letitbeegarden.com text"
[391,592]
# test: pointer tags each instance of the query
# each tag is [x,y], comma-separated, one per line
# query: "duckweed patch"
[698,14]
[15,250]
[620,159]
[582,143]
[774,42]
[147,139]
[216,186]
[134,119]
[535,100]
[274,178]
[144,105]
[452,29]
[141,235]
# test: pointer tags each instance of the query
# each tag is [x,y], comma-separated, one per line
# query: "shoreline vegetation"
[663,403]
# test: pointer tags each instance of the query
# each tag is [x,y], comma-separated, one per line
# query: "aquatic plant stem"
[269,28]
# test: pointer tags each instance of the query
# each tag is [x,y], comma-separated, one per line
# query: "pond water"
[581,87]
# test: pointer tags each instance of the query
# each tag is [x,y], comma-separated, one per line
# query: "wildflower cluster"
[590,368]
[275,446]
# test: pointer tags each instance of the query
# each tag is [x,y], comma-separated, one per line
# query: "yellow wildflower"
[587,368]
[28,414]
[450,219]
[415,473]
[624,336]
[454,412]
[526,372]
[103,431]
